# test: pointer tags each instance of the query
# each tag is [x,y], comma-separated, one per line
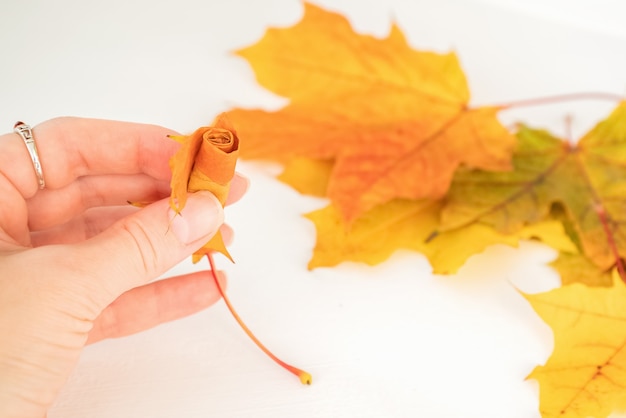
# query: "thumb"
[142,246]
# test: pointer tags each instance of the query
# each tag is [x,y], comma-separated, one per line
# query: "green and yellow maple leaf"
[588,179]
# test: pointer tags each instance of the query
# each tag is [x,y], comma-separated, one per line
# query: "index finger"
[70,148]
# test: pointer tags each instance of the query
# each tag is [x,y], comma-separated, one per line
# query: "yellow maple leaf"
[586,374]
[405,224]
[400,224]
[394,120]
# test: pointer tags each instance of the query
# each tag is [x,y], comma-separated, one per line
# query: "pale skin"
[77,263]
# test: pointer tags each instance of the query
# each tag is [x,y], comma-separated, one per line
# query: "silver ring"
[26,133]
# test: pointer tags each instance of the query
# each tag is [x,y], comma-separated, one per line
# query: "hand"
[76,261]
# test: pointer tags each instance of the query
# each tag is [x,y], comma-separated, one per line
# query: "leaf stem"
[559,98]
[304,377]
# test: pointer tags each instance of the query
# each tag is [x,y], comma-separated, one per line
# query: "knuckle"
[89,194]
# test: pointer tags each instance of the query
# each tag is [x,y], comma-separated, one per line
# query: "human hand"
[76,262]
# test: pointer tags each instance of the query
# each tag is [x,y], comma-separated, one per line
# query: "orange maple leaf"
[395,120]
[587,179]
[205,161]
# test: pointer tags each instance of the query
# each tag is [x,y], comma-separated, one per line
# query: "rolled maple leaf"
[206,160]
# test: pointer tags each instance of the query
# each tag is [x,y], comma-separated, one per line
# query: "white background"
[387,341]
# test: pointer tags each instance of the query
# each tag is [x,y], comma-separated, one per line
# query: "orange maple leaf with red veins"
[395,120]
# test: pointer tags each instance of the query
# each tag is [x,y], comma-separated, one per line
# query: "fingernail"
[201,217]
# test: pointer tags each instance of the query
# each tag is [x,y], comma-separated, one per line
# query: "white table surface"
[388,341]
